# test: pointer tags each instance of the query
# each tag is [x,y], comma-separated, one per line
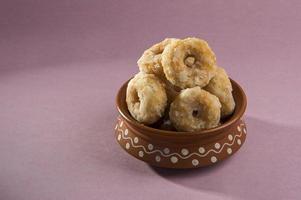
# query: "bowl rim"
[207,132]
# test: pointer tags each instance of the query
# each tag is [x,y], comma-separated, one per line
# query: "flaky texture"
[150,61]
[188,63]
[195,109]
[221,87]
[146,98]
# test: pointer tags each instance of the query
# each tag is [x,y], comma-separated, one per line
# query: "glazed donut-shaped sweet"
[188,63]
[146,98]
[221,87]
[150,61]
[195,109]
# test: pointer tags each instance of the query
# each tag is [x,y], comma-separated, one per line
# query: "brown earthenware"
[171,149]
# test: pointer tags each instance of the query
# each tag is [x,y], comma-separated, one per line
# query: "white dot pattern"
[126,132]
[245,130]
[195,162]
[141,154]
[230,137]
[174,159]
[202,150]
[185,152]
[217,145]
[166,150]
[175,156]
[229,150]
[213,159]
[158,158]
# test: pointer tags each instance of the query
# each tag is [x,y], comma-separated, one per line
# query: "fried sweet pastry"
[146,98]
[221,87]
[150,61]
[195,109]
[188,63]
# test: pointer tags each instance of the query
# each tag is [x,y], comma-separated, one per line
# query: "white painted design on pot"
[158,158]
[213,159]
[217,145]
[141,154]
[230,137]
[245,130]
[166,151]
[229,150]
[184,152]
[174,159]
[195,162]
[202,150]
[150,147]
[126,131]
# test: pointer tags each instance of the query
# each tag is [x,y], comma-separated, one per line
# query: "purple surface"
[62,62]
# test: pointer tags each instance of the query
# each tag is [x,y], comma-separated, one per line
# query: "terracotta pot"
[171,149]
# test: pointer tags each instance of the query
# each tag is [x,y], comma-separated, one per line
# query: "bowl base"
[180,156]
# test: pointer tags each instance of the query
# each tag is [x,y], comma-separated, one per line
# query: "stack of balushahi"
[180,87]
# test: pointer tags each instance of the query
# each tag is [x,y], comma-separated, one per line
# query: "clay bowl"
[171,149]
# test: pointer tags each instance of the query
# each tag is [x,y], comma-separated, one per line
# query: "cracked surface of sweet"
[195,109]
[146,98]
[221,87]
[150,61]
[188,63]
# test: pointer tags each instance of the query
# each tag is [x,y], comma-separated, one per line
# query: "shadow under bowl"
[173,149]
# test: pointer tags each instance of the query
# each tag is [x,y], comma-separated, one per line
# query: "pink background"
[62,62]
